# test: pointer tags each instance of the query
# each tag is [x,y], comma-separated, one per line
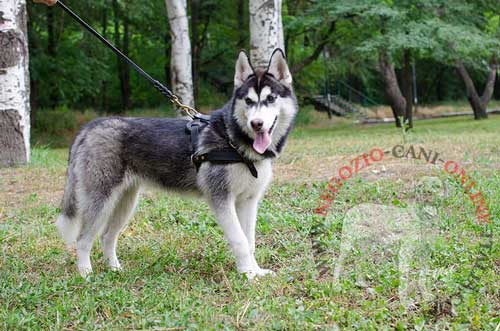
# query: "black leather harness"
[221,156]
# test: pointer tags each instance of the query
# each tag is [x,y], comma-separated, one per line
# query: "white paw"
[116,268]
[85,270]
[256,273]
[115,265]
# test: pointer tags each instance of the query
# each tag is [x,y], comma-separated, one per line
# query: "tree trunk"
[51,51]
[14,84]
[166,68]
[117,37]
[125,82]
[123,43]
[104,90]
[180,58]
[407,89]
[490,83]
[497,87]
[266,30]
[392,92]
[241,23]
[478,103]
[33,47]
[440,86]
[195,10]
[292,7]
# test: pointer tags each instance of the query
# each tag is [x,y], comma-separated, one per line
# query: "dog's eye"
[270,98]
[249,101]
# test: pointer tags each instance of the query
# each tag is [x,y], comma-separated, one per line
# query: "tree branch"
[490,82]
[317,51]
[470,88]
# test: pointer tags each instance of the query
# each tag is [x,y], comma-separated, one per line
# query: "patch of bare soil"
[306,168]
[24,187]
[422,111]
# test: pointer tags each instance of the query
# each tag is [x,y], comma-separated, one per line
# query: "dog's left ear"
[279,68]
[243,69]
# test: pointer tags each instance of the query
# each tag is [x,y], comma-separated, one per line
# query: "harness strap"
[224,156]
[194,127]
[194,134]
[221,156]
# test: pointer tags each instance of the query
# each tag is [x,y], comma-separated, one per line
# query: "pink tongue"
[262,142]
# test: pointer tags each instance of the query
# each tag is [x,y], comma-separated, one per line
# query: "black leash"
[224,156]
[191,112]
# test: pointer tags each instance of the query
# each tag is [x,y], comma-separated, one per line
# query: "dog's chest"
[244,184]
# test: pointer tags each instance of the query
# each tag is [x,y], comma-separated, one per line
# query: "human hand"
[47,2]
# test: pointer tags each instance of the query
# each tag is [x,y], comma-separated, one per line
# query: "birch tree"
[180,60]
[14,84]
[266,30]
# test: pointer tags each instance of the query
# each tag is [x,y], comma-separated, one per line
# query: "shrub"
[56,121]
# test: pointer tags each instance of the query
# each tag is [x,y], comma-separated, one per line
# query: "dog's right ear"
[243,69]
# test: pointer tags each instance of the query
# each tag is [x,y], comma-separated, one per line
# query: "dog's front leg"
[227,218]
[247,215]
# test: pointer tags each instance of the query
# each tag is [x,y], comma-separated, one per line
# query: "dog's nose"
[257,124]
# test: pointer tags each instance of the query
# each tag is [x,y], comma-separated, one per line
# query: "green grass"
[179,274]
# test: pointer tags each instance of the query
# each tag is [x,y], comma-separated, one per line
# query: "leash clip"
[190,111]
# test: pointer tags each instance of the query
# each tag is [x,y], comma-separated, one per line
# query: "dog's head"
[264,104]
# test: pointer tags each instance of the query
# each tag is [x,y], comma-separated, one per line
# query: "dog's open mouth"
[263,139]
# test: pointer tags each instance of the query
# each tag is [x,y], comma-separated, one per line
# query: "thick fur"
[112,158]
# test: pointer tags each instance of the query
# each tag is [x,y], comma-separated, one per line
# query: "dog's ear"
[279,68]
[243,69]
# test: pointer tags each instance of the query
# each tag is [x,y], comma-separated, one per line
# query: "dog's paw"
[114,265]
[257,273]
[85,270]
[118,268]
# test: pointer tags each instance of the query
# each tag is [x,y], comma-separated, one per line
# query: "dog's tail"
[68,223]
[69,228]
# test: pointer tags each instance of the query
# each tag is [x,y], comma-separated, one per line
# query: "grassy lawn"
[179,274]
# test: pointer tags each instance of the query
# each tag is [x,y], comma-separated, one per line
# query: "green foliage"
[55,122]
[303,116]
[75,70]
[445,31]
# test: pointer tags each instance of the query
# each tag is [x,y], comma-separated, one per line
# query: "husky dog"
[112,158]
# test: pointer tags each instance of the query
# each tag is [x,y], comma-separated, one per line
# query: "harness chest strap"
[223,155]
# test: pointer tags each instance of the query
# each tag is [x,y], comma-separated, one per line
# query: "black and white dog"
[112,158]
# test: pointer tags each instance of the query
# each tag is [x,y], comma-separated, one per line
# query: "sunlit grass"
[179,274]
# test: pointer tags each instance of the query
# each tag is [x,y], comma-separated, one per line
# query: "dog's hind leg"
[119,219]
[94,216]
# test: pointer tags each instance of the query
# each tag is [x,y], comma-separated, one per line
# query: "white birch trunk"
[180,60]
[266,30]
[14,84]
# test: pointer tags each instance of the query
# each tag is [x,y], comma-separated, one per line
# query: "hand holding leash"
[46,2]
